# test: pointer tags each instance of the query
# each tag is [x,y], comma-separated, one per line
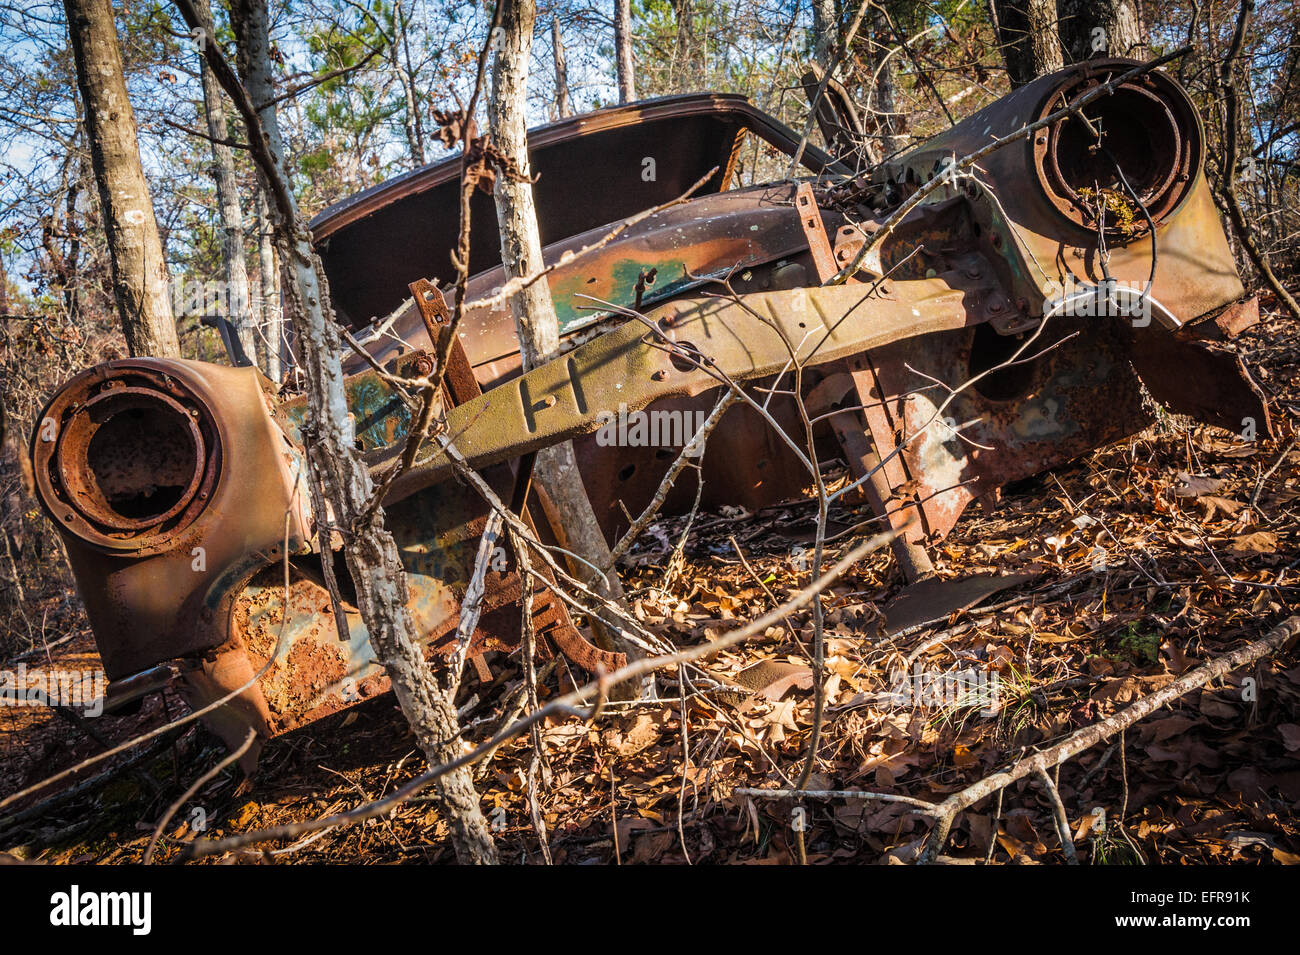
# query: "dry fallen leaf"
[1257,542]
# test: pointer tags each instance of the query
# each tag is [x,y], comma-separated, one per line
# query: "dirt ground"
[1198,532]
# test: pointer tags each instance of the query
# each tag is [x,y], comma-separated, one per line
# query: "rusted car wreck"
[171,480]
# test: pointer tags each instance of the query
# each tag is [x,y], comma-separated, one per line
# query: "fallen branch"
[1279,637]
[570,704]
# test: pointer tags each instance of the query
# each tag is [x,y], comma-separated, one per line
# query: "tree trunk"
[1092,28]
[405,73]
[521,254]
[140,280]
[232,217]
[563,106]
[623,50]
[1028,35]
[269,277]
[826,37]
[885,95]
[337,471]
[687,72]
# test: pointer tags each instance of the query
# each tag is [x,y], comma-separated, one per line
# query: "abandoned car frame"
[996,337]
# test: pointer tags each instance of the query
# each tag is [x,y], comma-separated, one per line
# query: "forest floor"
[1202,556]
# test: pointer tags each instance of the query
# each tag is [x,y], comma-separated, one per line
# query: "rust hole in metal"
[988,351]
[133,459]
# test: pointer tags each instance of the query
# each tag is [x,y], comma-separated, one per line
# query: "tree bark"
[337,472]
[687,72]
[826,37]
[269,277]
[1027,32]
[1093,28]
[563,106]
[1227,81]
[405,73]
[140,280]
[884,96]
[623,51]
[521,254]
[231,215]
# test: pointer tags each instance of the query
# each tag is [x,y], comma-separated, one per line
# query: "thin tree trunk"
[269,274]
[140,280]
[1227,82]
[885,95]
[687,70]
[623,51]
[1093,28]
[72,260]
[232,217]
[521,253]
[563,106]
[826,38]
[406,77]
[1027,32]
[337,471]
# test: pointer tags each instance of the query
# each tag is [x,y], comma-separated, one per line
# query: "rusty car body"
[179,485]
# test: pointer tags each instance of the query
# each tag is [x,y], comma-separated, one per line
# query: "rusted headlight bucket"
[126,458]
[1148,128]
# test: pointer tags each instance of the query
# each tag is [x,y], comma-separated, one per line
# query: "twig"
[694,448]
[1058,816]
[569,704]
[1259,487]
[194,787]
[1087,737]
[917,804]
[189,717]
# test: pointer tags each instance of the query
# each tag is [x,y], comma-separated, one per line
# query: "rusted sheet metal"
[1203,380]
[313,674]
[377,241]
[755,231]
[144,464]
[630,366]
[1150,128]
[1079,395]
[170,481]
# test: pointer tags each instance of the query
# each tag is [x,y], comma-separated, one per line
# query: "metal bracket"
[819,244]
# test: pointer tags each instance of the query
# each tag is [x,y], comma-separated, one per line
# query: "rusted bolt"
[423,365]
[995,307]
